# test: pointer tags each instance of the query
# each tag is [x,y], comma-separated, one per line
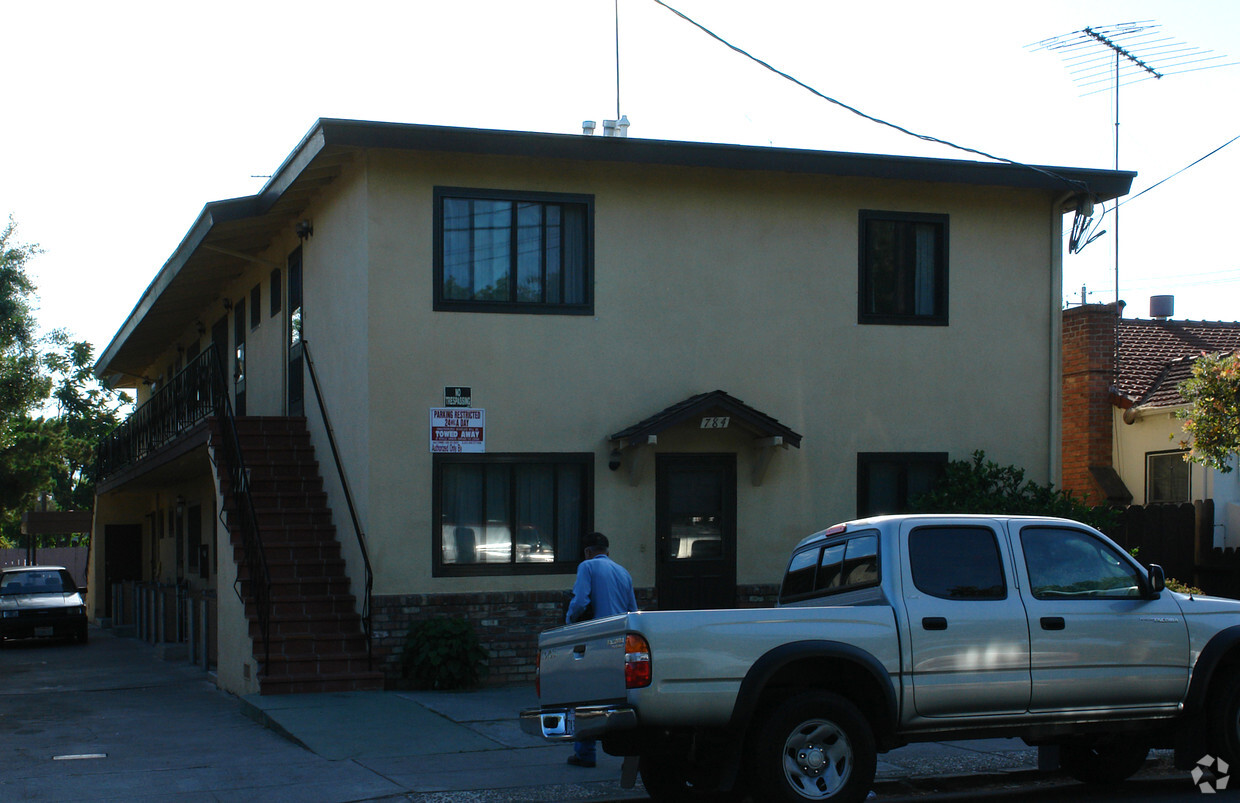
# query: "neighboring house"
[1122,440]
[705,351]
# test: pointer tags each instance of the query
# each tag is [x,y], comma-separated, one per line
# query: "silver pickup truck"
[901,629]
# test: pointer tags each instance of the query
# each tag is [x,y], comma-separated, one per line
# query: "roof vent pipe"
[609,128]
[622,127]
[587,127]
[1162,307]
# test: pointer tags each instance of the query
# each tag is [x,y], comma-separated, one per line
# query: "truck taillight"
[636,662]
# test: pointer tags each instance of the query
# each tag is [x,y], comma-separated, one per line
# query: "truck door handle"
[579,652]
[934,623]
[1052,623]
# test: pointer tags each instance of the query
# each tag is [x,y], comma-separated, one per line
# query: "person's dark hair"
[595,541]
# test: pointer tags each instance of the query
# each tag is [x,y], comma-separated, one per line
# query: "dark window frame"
[563,564]
[256,302]
[442,304]
[866,460]
[276,291]
[865,277]
[1188,491]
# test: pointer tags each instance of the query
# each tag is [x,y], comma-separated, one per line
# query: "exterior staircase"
[317,643]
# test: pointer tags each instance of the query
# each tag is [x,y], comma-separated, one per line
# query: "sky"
[122,119]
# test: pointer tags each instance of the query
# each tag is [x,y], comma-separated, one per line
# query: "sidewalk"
[468,746]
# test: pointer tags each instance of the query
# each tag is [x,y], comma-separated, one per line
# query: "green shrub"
[442,653]
[983,486]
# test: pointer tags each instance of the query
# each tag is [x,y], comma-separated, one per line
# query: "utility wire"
[1077,185]
[1178,172]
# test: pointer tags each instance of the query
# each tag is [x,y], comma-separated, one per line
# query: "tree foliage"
[44,457]
[1212,422]
[983,486]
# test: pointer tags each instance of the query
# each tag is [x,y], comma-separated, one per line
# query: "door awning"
[713,405]
[713,410]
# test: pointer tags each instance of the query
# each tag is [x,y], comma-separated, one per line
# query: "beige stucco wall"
[1158,430]
[744,282]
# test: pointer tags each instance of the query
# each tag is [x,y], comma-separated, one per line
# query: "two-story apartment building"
[705,351]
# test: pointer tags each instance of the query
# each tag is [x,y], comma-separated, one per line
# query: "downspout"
[1055,411]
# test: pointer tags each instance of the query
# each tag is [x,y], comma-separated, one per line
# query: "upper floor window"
[903,268]
[500,251]
[1167,478]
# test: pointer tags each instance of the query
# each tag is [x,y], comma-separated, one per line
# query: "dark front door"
[695,524]
[122,558]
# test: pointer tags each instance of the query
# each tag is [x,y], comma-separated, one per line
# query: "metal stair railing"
[247,520]
[348,498]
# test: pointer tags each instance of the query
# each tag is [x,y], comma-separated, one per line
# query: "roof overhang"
[227,234]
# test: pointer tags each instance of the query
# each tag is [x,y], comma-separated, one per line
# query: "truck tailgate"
[583,663]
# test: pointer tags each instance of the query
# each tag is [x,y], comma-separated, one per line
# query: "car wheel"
[1224,723]
[814,745]
[1106,759]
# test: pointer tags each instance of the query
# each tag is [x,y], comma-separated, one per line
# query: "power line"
[1181,170]
[1074,184]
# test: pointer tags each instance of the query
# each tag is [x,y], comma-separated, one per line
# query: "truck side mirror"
[1157,579]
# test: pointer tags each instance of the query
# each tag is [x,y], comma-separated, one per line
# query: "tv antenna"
[1108,57]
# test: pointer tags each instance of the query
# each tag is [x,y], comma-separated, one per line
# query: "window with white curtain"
[511,513]
[903,268]
[497,250]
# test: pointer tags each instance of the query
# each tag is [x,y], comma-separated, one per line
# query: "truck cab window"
[956,562]
[1071,564]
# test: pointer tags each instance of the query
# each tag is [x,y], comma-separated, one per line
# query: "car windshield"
[37,582]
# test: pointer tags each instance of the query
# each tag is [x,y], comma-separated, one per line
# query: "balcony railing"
[196,393]
[191,396]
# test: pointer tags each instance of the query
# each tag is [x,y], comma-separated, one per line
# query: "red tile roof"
[1156,356]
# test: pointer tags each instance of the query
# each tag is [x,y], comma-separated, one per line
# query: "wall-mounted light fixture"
[304,229]
[227,304]
[180,506]
[202,328]
[613,460]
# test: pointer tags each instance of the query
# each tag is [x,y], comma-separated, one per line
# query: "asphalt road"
[92,723]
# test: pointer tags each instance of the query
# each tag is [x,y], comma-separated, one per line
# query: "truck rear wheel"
[1103,760]
[669,778]
[815,745]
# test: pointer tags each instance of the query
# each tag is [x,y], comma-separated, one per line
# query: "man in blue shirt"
[607,587]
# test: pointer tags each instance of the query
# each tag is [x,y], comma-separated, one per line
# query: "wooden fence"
[72,558]
[1180,538]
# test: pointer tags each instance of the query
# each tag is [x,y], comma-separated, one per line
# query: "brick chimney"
[1088,375]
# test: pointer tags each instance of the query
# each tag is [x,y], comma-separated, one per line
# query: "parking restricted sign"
[458,430]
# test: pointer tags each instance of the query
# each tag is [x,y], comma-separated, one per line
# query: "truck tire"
[667,778]
[1107,759]
[815,745]
[1223,709]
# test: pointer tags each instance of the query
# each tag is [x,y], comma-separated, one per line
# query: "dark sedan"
[38,601]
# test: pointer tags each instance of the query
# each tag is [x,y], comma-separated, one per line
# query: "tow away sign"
[458,430]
